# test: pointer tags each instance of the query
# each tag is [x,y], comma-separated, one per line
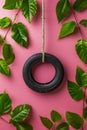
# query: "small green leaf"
[63,126]
[46,122]
[29,9]
[5,22]
[75,91]
[55,116]
[5,103]
[8,53]
[80,5]
[20,34]
[85,113]
[84,22]
[81,49]
[84,79]
[20,113]
[74,120]
[79,73]
[12,4]
[62,9]
[1,39]
[67,29]
[23,126]
[4,69]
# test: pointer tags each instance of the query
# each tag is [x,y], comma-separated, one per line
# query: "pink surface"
[64,49]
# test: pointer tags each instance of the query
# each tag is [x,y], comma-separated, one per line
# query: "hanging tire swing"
[43,87]
[47,58]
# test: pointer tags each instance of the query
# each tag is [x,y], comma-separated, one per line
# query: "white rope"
[43,32]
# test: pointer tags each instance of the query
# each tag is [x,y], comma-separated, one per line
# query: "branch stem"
[3,119]
[78,25]
[80,31]
[15,17]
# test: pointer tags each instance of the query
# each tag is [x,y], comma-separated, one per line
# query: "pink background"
[64,49]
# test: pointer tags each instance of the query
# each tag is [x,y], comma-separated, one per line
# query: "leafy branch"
[18,115]
[56,122]
[19,31]
[76,90]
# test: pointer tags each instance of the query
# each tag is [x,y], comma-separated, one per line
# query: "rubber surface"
[43,87]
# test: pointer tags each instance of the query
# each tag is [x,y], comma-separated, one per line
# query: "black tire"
[43,87]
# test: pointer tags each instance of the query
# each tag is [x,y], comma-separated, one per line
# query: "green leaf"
[5,103]
[4,69]
[84,22]
[81,49]
[20,113]
[20,34]
[74,120]
[29,9]
[84,79]
[46,122]
[80,5]
[8,53]
[55,116]
[63,126]
[67,29]
[23,126]
[75,91]
[85,113]
[1,39]
[12,4]
[79,73]
[62,9]
[5,22]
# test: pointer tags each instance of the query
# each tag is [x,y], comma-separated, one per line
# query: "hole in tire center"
[43,72]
